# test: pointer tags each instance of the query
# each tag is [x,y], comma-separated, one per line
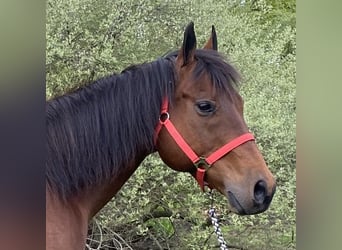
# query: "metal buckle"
[164,117]
[202,162]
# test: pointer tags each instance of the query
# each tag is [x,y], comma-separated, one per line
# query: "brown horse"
[184,105]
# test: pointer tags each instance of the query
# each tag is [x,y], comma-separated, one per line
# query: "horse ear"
[212,42]
[187,53]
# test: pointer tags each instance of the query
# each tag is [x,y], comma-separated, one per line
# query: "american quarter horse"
[185,106]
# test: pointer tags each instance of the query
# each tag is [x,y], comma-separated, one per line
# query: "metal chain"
[215,223]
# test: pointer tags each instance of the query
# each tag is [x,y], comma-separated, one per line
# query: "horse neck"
[67,222]
[95,198]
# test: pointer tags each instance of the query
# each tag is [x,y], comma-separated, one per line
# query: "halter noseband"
[201,163]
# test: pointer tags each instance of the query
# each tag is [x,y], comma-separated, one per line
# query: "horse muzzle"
[246,204]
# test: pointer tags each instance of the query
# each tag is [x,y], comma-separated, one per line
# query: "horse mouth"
[236,204]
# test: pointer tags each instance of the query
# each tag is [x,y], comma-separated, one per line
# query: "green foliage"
[88,39]
[158,206]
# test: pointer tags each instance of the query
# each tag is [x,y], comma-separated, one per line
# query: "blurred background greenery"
[159,208]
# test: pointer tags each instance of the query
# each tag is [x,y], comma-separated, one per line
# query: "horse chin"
[235,206]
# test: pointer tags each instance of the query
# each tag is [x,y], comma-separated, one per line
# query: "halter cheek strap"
[201,163]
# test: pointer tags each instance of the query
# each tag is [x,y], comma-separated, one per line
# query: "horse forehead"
[231,99]
[193,84]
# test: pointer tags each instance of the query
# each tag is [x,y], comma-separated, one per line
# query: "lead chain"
[216,225]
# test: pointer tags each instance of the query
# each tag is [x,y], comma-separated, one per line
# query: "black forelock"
[222,74]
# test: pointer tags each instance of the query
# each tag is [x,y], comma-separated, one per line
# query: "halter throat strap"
[201,163]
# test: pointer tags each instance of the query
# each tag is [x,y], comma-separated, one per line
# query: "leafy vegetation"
[159,208]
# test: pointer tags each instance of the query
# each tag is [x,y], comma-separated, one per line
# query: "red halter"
[201,163]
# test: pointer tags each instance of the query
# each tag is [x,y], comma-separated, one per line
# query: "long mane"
[94,132]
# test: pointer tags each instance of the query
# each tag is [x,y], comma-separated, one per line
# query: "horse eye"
[205,107]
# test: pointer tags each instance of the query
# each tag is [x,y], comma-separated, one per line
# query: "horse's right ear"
[212,42]
[187,53]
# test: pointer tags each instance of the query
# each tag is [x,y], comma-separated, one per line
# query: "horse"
[184,105]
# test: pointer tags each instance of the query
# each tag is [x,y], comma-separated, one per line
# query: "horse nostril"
[260,192]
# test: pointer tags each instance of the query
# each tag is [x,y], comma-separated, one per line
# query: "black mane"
[95,131]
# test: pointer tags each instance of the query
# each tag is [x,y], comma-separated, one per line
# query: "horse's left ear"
[212,42]
[186,54]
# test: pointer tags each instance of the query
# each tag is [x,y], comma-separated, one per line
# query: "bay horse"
[184,105]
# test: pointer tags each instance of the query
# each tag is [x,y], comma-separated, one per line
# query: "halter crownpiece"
[201,163]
